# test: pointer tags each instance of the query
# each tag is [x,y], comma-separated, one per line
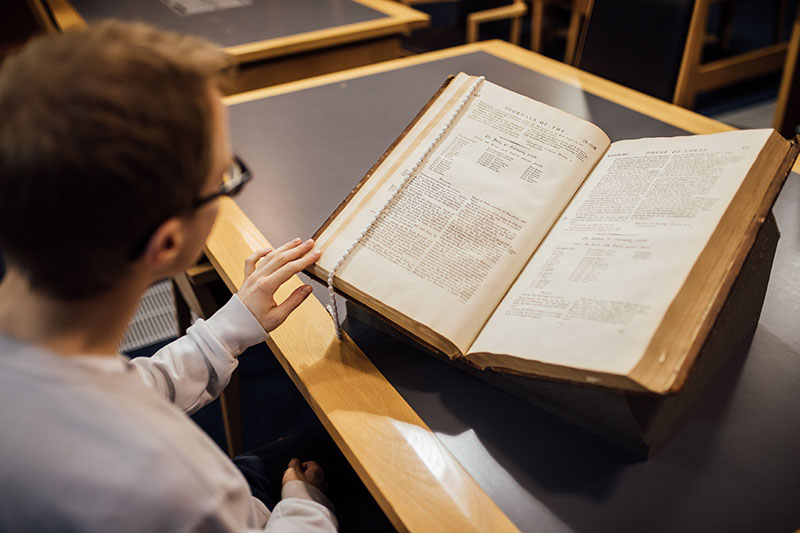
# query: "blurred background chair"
[696,76]
[513,12]
[455,22]
[517,9]
[21,20]
[787,110]
[669,49]
[578,11]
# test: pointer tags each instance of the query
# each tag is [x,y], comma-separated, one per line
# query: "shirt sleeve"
[193,370]
[303,507]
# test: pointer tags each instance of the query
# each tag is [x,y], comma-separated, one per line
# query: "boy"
[113,148]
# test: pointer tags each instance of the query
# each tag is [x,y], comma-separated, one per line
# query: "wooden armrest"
[517,9]
[201,274]
[514,11]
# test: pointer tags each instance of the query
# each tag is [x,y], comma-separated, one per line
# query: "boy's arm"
[301,514]
[193,370]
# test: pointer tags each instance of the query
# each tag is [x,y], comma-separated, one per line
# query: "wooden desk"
[441,450]
[273,41]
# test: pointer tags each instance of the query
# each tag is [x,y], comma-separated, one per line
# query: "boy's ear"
[165,245]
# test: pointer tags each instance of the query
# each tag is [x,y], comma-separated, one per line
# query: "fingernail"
[309,241]
[307,289]
[297,240]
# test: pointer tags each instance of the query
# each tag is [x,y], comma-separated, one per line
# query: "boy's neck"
[92,326]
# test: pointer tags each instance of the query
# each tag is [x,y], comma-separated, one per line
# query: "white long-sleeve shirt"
[104,444]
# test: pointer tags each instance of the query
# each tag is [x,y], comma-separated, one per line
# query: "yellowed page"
[448,247]
[595,292]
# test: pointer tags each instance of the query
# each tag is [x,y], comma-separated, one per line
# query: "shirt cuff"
[305,491]
[235,326]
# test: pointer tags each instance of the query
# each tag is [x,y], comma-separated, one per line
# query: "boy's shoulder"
[89,445]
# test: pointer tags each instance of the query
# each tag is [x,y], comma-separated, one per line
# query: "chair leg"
[197,296]
[183,315]
[686,86]
[537,16]
[232,415]
[787,110]
[572,35]
[516,30]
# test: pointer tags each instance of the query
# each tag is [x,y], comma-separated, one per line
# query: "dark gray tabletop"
[734,464]
[322,141]
[262,20]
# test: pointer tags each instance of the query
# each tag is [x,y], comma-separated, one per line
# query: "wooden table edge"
[398,19]
[382,437]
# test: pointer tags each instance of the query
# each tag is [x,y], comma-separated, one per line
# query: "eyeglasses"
[237,175]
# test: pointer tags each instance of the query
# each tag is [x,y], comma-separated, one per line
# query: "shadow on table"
[558,464]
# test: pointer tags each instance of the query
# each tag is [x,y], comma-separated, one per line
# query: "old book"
[526,242]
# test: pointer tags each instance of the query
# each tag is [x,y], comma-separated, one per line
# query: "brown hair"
[104,134]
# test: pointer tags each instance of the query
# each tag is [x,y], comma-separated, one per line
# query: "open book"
[527,242]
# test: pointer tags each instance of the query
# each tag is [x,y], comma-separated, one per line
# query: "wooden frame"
[41,15]
[413,477]
[515,11]
[695,77]
[400,19]
[787,109]
[578,12]
[193,295]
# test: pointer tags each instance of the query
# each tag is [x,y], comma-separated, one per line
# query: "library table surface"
[441,450]
[291,39]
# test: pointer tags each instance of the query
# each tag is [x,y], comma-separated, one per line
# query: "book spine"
[414,169]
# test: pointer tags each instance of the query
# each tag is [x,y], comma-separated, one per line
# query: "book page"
[455,237]
[595,292]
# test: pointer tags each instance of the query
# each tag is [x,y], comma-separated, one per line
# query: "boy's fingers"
[282,311]
[253,259]
[312,467]
[295,463]
[281,275]
[282,257]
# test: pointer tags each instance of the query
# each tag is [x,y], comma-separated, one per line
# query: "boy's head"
[105,134]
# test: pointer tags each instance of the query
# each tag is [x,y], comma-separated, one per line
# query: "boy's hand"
[261,280]
[310,472]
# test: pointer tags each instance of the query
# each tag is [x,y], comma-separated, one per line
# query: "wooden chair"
[21,20]
[787,110]
[656,47]
[579,10]
[695,77]
[515,11]
[194,294]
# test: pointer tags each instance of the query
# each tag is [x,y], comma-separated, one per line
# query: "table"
[273,41]
[441,450]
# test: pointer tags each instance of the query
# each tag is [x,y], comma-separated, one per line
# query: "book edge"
[381,159]
[678,374]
